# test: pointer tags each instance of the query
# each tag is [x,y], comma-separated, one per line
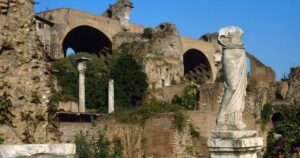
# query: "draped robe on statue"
[233,103]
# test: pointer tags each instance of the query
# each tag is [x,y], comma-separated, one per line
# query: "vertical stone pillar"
[82,62]
[111,102]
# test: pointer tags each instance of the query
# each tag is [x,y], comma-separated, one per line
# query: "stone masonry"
[24,74]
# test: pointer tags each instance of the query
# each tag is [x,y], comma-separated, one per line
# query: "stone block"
[234,144]
[13,151]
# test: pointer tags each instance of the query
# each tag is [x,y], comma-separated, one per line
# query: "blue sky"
[272,27]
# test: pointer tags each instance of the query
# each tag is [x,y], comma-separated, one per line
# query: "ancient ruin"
[30,43]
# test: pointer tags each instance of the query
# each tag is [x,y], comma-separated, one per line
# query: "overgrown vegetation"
[1,139]
[265,115]
[139,115]
[284,77]
[188,99]
[285,136]
[96,79]
[148,32]
[179,121]
[82,149]
[102,147]
[194,132]
[35,98]
[6,108]
[130,81]
[32,121]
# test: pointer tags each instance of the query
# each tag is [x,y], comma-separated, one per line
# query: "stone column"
[111,106]
[82,62]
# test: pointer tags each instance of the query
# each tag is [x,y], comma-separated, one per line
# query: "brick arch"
[65,20]
[85,38]
[197,67]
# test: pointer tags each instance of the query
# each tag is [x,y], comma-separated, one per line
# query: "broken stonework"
[4,4]
[282,89]
[294,85]
[160,55]
[24,75]
[120,11]
[58,150]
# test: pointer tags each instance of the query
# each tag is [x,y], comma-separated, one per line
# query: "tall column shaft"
[111,102]
[81,92]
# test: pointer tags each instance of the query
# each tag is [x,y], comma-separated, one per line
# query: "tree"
[95,81]
[130,80]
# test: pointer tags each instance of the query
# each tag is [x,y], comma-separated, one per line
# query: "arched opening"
[88,39]
[196,66]
[69,51]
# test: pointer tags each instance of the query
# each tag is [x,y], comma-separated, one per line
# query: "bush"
[6,108]
[188,99]
[1,139]
[82,149]
[118,148]
[148,32]
[139,115]
[287,126]
[99,148]
[130,80]
[179,121]
[102,146]
[96,79]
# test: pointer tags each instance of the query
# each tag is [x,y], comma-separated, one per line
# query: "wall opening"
[90,40]
[69,52]
[196,66]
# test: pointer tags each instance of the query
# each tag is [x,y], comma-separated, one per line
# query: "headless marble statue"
[234,66]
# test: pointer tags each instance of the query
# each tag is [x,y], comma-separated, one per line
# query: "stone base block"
[234,144]
[27,150]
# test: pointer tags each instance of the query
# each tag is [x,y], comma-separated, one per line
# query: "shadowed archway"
[88,39]
[196,66]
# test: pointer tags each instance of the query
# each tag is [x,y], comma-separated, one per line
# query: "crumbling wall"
[157,138]
[160,55]
[293,95]
[121,11]
[260,75]
[24,75]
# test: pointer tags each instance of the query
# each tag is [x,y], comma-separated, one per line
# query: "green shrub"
[95,80]
[6,108]
[1,139]
[53,104]
[188,99]
[118,148]
[82,149]
[102,146]
[179,121]
[129,79]
[148,32]
[35,98]
[139,115]
[266,113]
[286,123]
[193,132]
[284,78]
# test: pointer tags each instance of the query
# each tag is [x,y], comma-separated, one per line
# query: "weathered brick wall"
[158,137]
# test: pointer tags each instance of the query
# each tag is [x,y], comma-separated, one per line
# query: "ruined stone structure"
[101,34]
[24,75]
[120,11]
[28,42]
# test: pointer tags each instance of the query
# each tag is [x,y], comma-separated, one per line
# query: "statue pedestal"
[234,144]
